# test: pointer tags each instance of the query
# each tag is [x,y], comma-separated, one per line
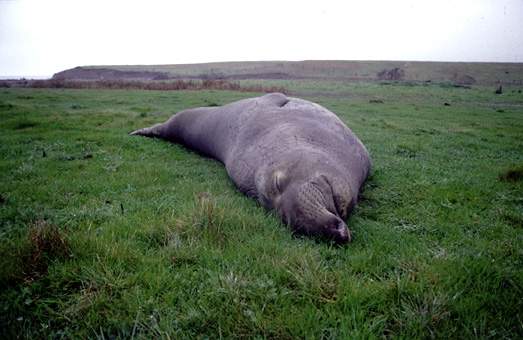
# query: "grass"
[106,235]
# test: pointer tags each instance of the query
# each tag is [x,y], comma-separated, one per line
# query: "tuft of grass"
[206,212]
[24,123]
[6,106]
[29,257]
[407,151]
[45,243]
[76,107]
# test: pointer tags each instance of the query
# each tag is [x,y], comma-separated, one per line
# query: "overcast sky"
[39,38]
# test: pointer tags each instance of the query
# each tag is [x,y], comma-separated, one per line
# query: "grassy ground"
[102,234]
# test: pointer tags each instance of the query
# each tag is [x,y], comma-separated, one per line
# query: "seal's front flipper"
[153,131]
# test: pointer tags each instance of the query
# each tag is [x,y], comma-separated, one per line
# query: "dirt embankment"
[83,73]
[92,73]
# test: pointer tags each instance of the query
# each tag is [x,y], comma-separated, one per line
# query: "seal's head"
[312,203]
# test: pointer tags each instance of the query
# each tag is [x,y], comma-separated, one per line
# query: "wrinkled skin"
[292,155]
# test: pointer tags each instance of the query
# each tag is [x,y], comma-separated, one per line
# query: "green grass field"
[107,235]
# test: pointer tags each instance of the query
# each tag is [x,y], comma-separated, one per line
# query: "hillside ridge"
[464,73]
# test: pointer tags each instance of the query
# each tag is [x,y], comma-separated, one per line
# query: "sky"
[40,38]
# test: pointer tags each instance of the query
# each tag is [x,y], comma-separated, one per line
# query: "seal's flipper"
[153,131]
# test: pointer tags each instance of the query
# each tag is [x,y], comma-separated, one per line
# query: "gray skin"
[292,155]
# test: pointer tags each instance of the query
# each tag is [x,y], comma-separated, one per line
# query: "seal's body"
[292,155]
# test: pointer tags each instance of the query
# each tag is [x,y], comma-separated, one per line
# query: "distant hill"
[454,72]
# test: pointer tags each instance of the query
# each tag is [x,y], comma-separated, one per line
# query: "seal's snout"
[338,232]
[342,234]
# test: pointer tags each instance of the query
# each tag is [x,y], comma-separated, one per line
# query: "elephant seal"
[292,155]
